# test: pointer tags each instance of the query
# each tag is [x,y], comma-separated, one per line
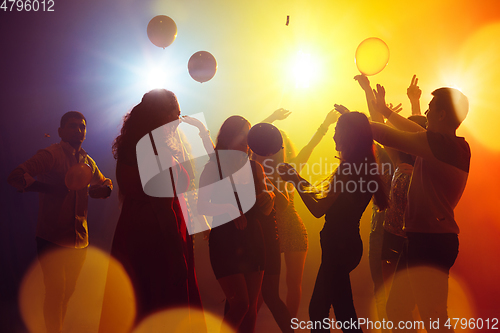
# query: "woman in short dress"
[236,245]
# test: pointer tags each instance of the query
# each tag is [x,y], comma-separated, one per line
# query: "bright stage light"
[157,78]
[304,70]
[476,72]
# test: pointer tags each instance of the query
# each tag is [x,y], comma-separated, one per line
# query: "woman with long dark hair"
[151,241]
[342,199]
[291,229]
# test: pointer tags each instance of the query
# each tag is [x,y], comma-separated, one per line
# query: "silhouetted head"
[73,128]
[353,137]
[447,109]
[286,154]
[233,134]
[157,108]
[354,140]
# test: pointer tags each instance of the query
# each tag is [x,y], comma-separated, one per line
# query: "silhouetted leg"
[52,261]
[74,259]
[374,257]
[53,279]
[333,286]
[332,289]
[430,257]
[235,289]
[401,302]
[270,294]
[319,306]
[295,262]
[341,299]
[253,283]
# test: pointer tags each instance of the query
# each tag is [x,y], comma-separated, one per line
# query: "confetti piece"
[47,135]
[287,19]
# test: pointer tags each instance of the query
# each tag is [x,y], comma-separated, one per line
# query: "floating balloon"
[202,66]
[78,177]
[372,55]
[162,31]
[265,139]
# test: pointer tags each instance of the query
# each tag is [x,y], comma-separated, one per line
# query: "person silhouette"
[236,244]
[151,240]
[291,229]
[62,233]
[439,178]
[341,198]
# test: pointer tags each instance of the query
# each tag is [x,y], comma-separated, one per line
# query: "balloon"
[372,55]
[162,31]
[78,177]
[202,66]
[265,139]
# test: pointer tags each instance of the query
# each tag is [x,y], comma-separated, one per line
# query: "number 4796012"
[472,323]
[27,5]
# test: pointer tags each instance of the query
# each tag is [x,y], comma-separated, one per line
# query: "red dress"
[154,247]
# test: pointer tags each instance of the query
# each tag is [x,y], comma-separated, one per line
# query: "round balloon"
[78,177]
[265,139]
[372,55]
[162,31]
[202,66]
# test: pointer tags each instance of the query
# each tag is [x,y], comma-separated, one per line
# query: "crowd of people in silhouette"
[412,224]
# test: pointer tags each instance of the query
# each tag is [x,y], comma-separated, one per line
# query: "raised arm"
[304,154]
[279,114]
[413,92]
[396,120]
[204,133]
[364,83]
[414,143]
[317,207]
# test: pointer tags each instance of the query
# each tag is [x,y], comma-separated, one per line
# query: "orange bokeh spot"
[84,307]
[180,320]
[460,304]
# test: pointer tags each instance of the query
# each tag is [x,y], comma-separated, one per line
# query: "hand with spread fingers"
[398,108]
[379,102]
[341,109]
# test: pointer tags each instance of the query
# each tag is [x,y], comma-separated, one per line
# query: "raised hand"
[240,222]
[379,103]
[99,191]
[331,118]
[280,114]
[398,108]
[414,94]
[265,200]
[363,82]
[193,122]
[413,90]
[341,109]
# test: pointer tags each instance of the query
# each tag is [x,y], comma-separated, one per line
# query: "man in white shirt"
[438,181]
[62,216]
